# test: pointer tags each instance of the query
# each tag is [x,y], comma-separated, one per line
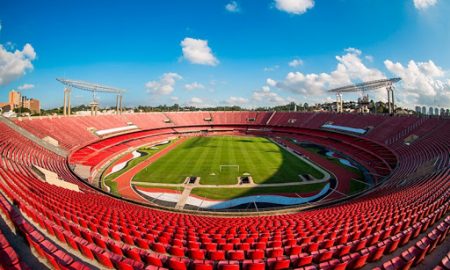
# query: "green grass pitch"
[265,161]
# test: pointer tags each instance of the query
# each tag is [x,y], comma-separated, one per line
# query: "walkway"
[184,196]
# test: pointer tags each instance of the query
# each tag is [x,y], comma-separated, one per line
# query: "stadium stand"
[396,225]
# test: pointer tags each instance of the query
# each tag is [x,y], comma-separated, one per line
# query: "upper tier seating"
[74,131]
[408,215]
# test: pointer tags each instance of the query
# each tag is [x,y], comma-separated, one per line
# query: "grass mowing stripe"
[223,177]
[264,163]
[167,168]
[228,175]
[218,157]
[246,155]
[274,161]
[290,160]
[198,165]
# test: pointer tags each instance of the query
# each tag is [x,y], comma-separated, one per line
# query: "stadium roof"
[93,87]
[365,86]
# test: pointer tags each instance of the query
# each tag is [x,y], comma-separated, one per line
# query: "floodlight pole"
[393,100]
[65,102]
[390,95]
[69,105]
[66,108]
[119,104]
[339,103]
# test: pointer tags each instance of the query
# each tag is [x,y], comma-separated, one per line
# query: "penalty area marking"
[228,165]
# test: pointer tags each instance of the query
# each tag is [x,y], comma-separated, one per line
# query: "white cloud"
[165,85]
[353,50]
[296,62]
[296,7]
[26,86]
[270,69]
[232,7]
[350,68]
[174,99]
[271,82]
[29,52]
[423,83]
[202,102]
[351,64]
[194,86]
[266,96]
[236,100]
[197,51]
[15,64]
[424,4]
[195,102]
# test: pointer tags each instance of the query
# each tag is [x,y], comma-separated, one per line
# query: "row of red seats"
[416,253]
[55,256]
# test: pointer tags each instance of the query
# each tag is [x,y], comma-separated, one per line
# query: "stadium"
[74,224]
[213,135]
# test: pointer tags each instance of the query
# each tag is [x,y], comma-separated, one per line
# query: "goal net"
[229,168]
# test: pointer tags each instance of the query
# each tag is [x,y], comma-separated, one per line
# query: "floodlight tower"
[93,88]
[66,108]
[366,86]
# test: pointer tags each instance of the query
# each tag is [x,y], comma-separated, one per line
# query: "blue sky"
[247,52]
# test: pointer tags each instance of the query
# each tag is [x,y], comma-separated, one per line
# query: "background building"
[17,101]
[418,110]
[32,104]
[14,99]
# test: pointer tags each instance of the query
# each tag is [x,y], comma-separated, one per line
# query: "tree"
[22,110]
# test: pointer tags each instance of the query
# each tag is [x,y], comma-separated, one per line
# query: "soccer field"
[265,161]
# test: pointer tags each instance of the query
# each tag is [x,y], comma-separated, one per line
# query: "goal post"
[221,167]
